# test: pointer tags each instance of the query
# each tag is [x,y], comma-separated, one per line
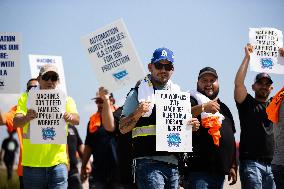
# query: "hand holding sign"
[281,51]
[31,114]
[194,123]
[143,108]
[248,49]
[68,117]
[104,94]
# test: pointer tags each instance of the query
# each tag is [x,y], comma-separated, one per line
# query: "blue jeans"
[203,180]
[256,175]
[152,174]
[45,177]
[278,173]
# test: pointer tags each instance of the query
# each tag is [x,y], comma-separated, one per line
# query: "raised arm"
[2,119]
[240,92]
[107,114]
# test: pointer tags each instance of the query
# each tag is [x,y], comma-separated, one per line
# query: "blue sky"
[200,33]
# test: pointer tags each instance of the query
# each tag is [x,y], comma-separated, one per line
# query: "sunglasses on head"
[46,77]
[168,67]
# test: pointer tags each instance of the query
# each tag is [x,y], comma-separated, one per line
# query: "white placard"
[10,50]
[173,111]
[37,61]
[113,56]
[49,127]
[265,56]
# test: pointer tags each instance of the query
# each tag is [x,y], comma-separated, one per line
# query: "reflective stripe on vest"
[144,131]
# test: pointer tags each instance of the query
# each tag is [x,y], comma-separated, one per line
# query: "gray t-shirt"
[130,105]
[278,129]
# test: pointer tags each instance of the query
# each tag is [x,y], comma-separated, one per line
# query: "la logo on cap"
[164,53]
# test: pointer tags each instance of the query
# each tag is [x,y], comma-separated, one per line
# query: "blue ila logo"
[266,63]
[174,139]
[120,75]
[48,133]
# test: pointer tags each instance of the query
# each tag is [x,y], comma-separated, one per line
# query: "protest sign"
[265,57]
[173,111]
[37,61]
[113,56]
[10,49]
[49,127]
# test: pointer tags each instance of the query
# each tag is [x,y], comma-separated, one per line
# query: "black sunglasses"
[46,77]
[31,86]
[168,67]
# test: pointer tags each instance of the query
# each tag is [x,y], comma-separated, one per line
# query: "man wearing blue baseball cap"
[153,169]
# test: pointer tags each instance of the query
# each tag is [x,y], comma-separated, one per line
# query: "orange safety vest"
[273,108]
[10,126]
[95,120]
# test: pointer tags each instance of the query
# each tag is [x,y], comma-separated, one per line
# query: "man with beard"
[214,150]
[153,169]
[256,141]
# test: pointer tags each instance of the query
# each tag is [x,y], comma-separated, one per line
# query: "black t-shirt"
[256,141]
[104,151]
[73,141]
[208,157]
[10,146]
[111,153]
[124,152]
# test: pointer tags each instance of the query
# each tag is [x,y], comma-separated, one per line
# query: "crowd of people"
[122,140]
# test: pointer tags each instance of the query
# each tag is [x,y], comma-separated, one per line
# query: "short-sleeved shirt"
[124,151]
[42,155]
[104,150]
[10,147]
[74,141]
[208,157]
[278,129]
[256,140]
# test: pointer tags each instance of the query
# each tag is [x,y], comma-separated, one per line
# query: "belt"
[260,160]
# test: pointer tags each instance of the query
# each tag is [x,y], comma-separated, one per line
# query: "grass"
[13,183]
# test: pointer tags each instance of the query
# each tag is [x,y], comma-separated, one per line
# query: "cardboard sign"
[49,127]
[37,61]
[113,56]
[265,56]
[173,111]
[10,50]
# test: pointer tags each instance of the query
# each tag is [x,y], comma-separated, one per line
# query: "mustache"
[213,96]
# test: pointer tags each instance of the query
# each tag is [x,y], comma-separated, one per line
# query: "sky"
[200,33]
